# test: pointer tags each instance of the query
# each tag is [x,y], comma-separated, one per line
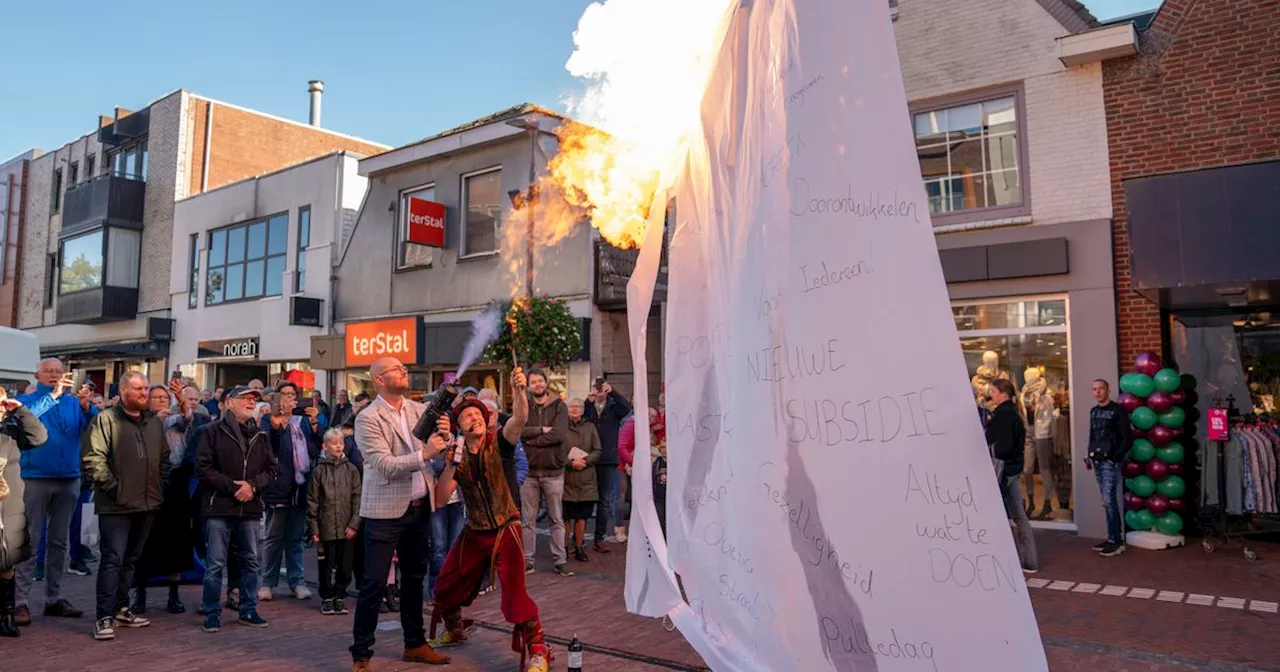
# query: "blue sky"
[394,70]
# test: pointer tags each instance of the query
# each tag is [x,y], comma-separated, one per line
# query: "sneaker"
[1029,570]
[1112,550]
[79,568]
[488,589]
[302,592]
[528,567]
[22,615]
[90,556]
[38,575]
[1098,547]
[447,639]
[252,620]
[264,594]
[212,623]
[340,607]
[127,619]
[563,570]
[175,605]
[104,629]
[326,608]
[62,609]
[233,599]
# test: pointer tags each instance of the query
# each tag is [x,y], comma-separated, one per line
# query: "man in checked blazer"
[395,505]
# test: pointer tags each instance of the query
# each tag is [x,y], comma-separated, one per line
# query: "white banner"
[831,505]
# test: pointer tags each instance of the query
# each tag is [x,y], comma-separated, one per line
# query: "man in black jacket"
[1109,442]
[1006,435]
[234,463]
[607,409]
[543,438]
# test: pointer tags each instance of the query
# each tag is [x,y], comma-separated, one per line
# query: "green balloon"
[1142,450]
[1172,453]
[1167,380]
[1172,486]
[1173,418]
[1143,486]
[1126,382]
[1143,418]
[1131,519]
[1170,523]
[1144,519]
[1142,385]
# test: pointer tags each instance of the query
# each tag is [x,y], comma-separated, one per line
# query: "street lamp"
[529,124]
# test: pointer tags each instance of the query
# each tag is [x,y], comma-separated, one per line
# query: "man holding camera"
[295,431]
[608,410]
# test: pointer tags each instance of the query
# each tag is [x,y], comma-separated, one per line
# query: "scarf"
[301,459]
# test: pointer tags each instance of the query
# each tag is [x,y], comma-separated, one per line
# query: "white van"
[19,359]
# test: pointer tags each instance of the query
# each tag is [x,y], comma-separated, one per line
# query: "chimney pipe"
[316,88]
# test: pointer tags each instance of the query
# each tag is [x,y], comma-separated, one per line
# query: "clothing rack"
[1221,526]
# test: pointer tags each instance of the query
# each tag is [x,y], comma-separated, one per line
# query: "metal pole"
[533,174]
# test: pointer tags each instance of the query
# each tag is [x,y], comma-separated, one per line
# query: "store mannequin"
[988,371]
[1037,401]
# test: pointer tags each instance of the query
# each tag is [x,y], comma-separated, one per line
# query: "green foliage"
[537,332]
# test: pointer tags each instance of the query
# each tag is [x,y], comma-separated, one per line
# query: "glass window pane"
[965,120]
[278,240]
[217,248]
[275,276]
[131,164]
[300,285]
[1002,188]
[235,244]
[81,263]
[931,127]
[1011,315]
[483,199]
[304,227]
[253,278]
[235,282]
[257,240]
[933,161]
[124,250]
[143,171]
[969,156]
[214,286]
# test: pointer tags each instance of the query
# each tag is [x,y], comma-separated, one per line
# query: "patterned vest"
[490,505]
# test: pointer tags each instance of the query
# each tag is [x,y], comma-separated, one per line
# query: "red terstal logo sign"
[426,222]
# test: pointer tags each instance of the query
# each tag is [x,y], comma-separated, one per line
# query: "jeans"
[123,536]
[51,502]
[607,482]
[73,533]
[409,537]
[286,526]
[1108,474]
[333,559]
[553,487]
[1025,538]
[446,525]
[218,535]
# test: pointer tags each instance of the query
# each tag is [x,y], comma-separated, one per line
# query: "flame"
[645,65]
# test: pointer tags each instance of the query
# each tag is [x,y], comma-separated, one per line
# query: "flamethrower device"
[439,408]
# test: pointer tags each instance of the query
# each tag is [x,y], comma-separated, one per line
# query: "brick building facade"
[1203,92]
[13,210]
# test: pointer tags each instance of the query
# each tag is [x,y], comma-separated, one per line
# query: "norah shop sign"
[240,348]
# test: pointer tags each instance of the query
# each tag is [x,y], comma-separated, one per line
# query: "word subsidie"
[830,422]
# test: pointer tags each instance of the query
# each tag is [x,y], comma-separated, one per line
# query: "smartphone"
[600,381]
[306,402]
[77,379]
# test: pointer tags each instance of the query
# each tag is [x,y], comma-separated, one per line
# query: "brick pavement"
[1091,632]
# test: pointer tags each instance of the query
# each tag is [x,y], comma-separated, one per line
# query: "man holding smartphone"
[607,410]
[52,476]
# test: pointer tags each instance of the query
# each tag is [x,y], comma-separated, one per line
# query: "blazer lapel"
[393,423]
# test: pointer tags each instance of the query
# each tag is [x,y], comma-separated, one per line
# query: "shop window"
[1235,360]
[247,261]
[482,200]
[412,256]
[82,262]
[971,157]
[1025,341]
[304,241]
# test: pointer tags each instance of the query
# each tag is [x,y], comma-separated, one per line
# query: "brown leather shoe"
[425,654]
[360,666]
[22,615]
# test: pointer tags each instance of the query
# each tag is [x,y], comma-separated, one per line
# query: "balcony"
[95,306]
[98,276]
[106,199]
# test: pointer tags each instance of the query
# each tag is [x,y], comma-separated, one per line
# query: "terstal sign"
[831,503]
[426,222]
[367,342]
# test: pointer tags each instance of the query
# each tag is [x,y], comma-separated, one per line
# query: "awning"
[149,350]
[1207,238]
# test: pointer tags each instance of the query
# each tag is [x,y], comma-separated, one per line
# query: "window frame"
[402,225]
[464,211]
[193,272]
[52,276]
[90,162]
[140,150]
[102,274]
[265,258]
[73,174]
[56,203]
[300,253]
[1018,92]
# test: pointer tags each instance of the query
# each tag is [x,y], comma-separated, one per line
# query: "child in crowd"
[333,518]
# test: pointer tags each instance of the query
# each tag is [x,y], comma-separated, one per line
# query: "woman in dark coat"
[20,429]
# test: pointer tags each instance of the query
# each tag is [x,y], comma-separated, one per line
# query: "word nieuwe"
[854,637]
[382,343]
[873,206]
[786,362]
[888,418]
[822,551]
[960,498]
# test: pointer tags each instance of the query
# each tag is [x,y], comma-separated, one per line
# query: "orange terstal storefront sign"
[367,342]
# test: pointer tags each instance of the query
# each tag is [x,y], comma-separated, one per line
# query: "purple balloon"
[1132,469]
[1147,363]
[1129,402]
[1160,401]
[1179,398]
[1160,435]
[1158,505]
[1157,469]
[1175,469]
[1178,505]
[1134,502]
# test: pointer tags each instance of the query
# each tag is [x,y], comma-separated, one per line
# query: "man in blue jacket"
[52,476]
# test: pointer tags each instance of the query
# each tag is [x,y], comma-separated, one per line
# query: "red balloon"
[1129,402]
[1175,469]
[1177,433]
[1160,435]
[1157,469]
[1178,505]
[1158,504]
[1134,502]
[1159,402]
[1137,433]
[1147,363]
[1178,398]
[1132,469]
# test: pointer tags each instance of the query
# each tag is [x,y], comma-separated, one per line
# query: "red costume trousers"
[500,551]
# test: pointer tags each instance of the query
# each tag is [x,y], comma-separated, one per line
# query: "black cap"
[241,390]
